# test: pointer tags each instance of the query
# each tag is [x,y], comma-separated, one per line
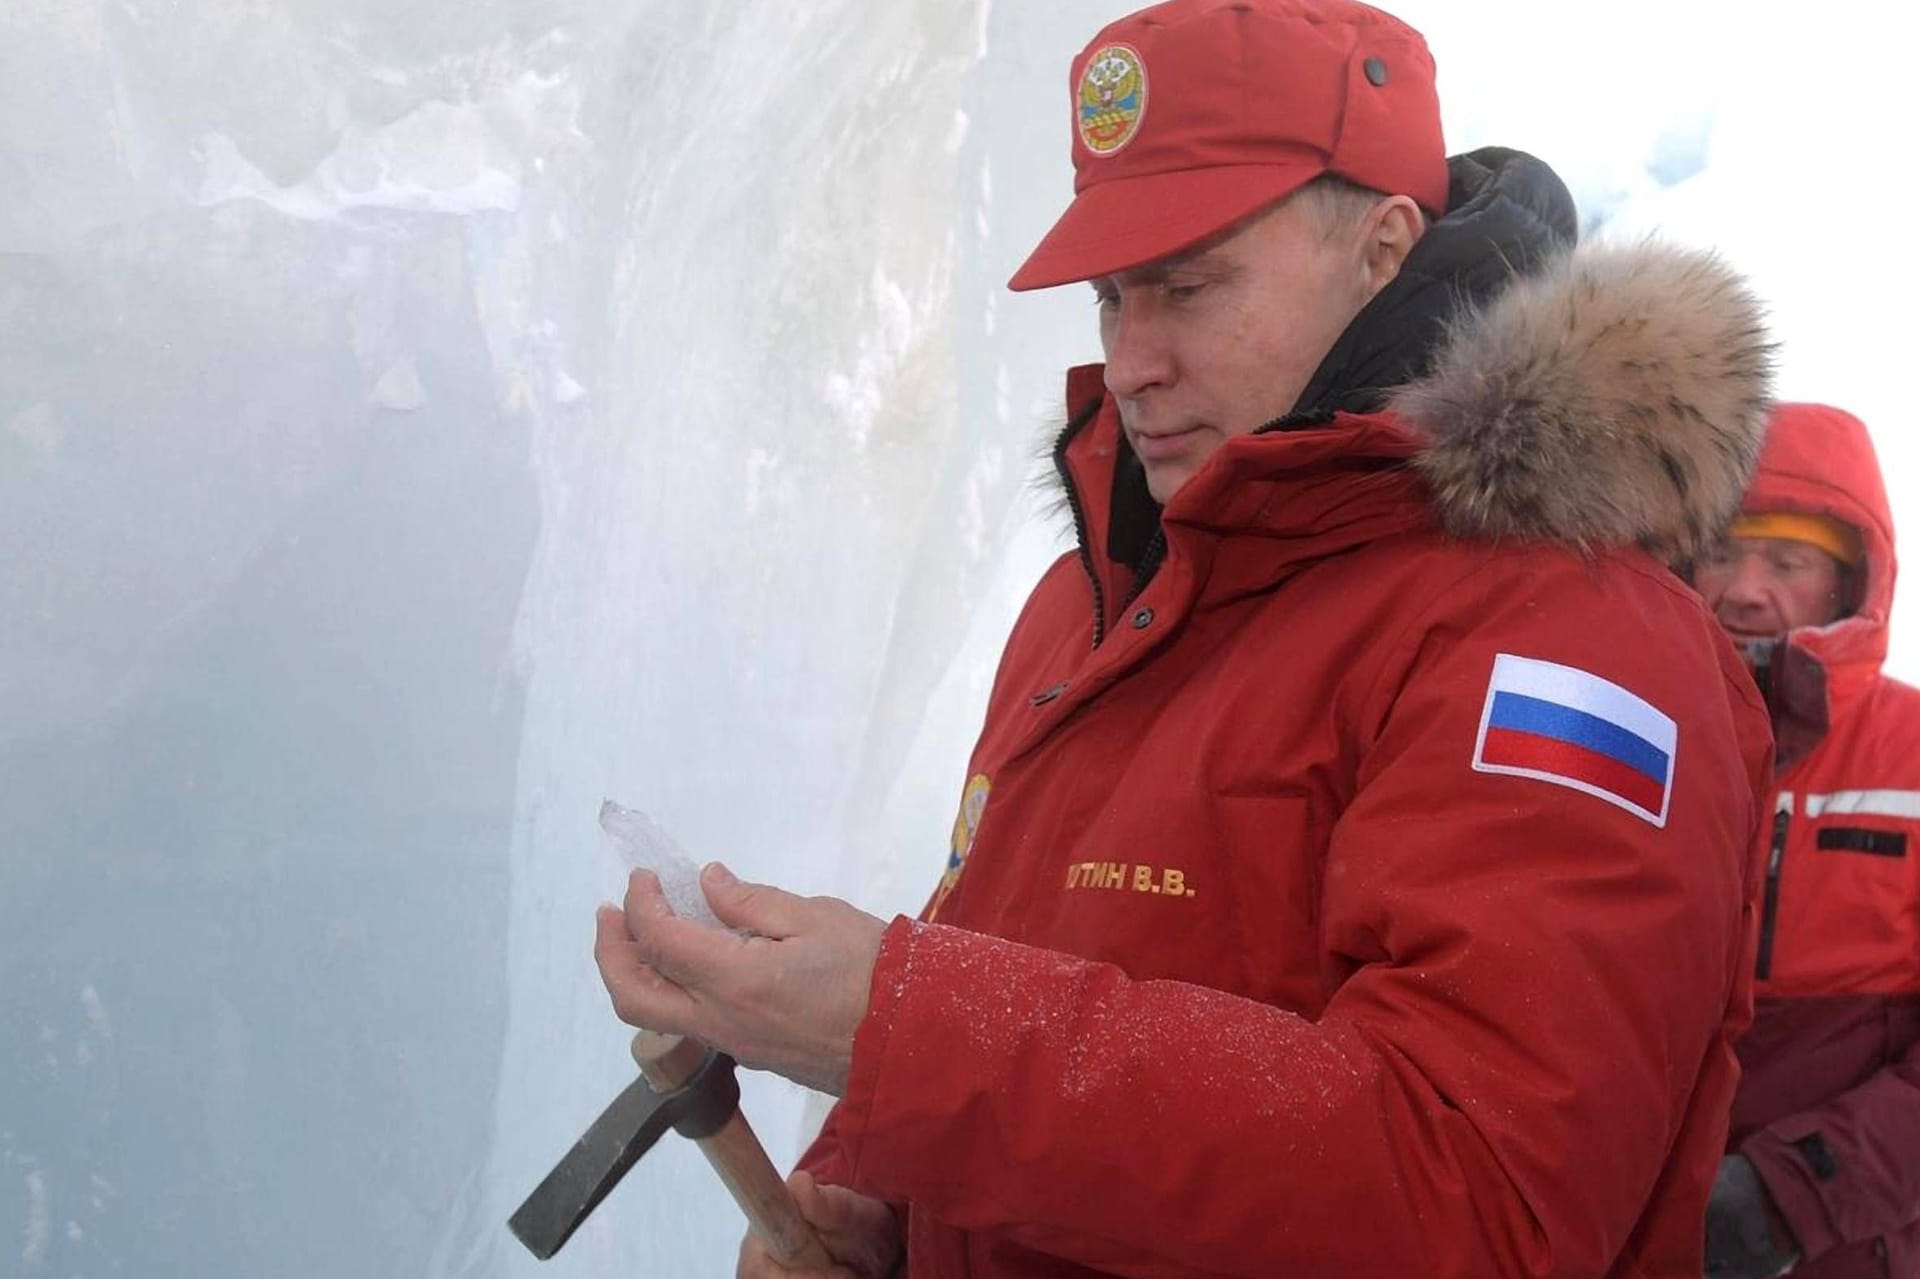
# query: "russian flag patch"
[1564,725]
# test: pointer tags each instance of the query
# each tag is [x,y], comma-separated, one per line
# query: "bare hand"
[786,999]
[862,1234]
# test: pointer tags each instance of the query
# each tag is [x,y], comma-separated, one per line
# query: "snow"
[419,421]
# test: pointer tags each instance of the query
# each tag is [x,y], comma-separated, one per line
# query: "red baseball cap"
[1190,115]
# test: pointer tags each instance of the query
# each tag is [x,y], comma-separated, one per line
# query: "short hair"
[1336,203]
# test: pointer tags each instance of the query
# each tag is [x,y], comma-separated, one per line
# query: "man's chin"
[1164,479]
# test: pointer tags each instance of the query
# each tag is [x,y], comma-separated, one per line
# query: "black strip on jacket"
[1858,839]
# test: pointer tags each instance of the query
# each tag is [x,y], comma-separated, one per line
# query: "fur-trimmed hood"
[1819,460]
[1602,396]
[1619,396]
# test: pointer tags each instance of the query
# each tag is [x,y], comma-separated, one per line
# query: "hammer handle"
[668,1062]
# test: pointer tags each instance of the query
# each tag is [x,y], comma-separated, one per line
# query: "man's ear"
[1388,233]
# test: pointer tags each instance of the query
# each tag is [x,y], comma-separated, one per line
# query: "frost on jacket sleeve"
[1848,1171]
[1531,986]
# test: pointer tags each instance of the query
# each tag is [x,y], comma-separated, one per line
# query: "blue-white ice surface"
[421,419]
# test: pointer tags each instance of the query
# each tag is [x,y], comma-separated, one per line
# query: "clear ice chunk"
[642,845]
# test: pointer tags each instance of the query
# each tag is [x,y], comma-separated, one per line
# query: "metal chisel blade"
[624,1131]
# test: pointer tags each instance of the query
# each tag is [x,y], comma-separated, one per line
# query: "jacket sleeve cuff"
[934,1075]
[891,969]
[824,1157]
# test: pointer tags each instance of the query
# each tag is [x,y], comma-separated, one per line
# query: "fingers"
[754,1263]
[758,908]
[828,1209]
[659,968]
[786,998]
[641,995]
[859,1231]
[812,1203]
[690,954]
[646,902]
[757,1263]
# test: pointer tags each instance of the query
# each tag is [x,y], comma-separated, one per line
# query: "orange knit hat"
[1835,537]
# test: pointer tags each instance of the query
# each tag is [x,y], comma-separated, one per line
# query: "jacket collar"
[1604,397]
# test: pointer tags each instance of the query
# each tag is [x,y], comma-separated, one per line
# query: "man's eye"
[1182,292]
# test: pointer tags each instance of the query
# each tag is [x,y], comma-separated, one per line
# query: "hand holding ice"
[644,846]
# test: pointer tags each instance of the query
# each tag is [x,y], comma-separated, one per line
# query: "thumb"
[807,1198]
[756,908]
[818,1204]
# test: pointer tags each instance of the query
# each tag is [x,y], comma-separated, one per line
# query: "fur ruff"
[1619,396]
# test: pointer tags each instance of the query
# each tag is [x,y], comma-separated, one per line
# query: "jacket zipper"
[1149,565]
[1158,547]
[1072,491]
[1770,909]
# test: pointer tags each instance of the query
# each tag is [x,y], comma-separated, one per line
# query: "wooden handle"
[668,1062]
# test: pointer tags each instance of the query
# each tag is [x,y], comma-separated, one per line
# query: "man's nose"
[1139,357]
[1749,583]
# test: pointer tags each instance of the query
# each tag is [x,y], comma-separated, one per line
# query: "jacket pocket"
[1277,854]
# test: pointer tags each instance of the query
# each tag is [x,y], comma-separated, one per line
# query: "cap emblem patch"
[1113,99]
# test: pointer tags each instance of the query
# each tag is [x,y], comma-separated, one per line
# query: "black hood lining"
[1507,214]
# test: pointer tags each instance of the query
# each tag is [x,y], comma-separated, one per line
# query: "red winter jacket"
[1829,1111]
[1272,944]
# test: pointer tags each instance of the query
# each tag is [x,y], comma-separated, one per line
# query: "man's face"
[1763,587]
[1219,341]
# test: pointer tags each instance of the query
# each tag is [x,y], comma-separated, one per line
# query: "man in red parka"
[1352,875]
[1824,1164]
